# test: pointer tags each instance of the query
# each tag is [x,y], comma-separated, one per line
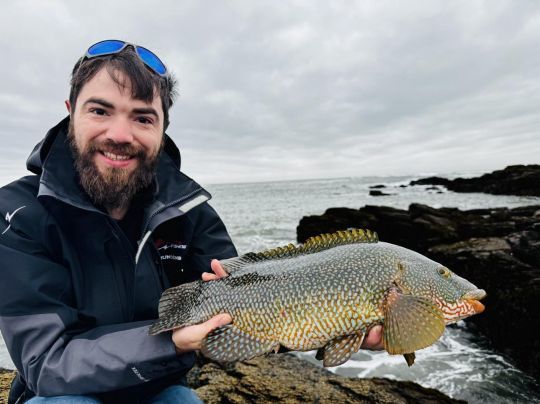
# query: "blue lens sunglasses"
[110,46]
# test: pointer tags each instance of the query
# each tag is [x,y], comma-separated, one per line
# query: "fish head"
[455,296]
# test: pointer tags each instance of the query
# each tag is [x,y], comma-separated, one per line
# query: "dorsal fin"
[312,245]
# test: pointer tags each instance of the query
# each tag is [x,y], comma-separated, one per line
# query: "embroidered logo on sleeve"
[9,216]
[170,250]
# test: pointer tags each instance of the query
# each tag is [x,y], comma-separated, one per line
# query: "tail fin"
[175,307]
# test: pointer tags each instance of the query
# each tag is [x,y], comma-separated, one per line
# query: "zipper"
[146,234]
[120,279]
[167,206]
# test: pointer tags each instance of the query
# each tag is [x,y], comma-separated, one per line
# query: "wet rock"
[6,376]
[376,192]
[513,180]
[286,378]
[496,249]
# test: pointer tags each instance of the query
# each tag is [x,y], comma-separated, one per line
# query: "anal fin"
[228,344]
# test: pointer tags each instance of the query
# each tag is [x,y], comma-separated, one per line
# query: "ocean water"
[461,363]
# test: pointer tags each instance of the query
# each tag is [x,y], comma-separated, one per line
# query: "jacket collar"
[53,161]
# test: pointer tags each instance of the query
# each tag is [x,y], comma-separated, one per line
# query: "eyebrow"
[148,110]
[99,101]
[106,104]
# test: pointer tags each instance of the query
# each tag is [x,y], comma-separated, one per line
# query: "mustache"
[111,146]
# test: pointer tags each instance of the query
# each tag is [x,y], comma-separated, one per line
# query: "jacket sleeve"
[50,347]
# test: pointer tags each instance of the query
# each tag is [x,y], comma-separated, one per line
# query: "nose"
[119,131]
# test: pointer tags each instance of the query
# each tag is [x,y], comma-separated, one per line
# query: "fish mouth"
[477,294]
[473,298]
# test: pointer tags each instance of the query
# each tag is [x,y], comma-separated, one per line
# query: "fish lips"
[473,298]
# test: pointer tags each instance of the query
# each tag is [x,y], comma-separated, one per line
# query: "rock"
[375,192]
[431,181]
[513,180]
[496,249]
[286,378]
[379,186]
[6,376]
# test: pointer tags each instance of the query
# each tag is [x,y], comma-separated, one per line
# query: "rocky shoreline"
[286,378]
[496,249]
[521,180]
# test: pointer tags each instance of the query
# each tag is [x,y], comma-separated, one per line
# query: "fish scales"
[324,295]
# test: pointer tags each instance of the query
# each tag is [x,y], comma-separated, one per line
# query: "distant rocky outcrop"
[521,180]
[496,249]
[376,192]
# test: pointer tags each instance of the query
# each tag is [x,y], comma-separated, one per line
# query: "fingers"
[207,276]
[373,339]
[218,270]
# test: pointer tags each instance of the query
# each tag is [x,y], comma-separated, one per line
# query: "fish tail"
[176,307]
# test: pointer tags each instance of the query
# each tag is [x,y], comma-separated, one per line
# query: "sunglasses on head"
[111,46]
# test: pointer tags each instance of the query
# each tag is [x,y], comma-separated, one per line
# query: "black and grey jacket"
[76,296]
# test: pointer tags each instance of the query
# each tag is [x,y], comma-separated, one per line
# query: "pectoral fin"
[340,349]
[411,323]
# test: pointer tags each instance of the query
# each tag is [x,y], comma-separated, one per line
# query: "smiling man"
[115,140]
[90,241]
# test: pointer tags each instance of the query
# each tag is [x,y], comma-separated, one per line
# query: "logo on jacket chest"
[170,250]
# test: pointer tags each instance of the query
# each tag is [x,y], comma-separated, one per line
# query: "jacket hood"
[39,154]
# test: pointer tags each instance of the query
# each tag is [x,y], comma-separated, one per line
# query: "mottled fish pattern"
[324,295]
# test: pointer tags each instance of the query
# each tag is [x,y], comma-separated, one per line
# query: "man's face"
[116,140]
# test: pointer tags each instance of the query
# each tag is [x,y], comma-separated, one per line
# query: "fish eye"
[444,272]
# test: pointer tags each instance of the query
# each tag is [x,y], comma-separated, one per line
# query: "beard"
[114,187]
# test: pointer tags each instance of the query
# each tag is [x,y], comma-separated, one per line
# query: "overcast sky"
[273,90]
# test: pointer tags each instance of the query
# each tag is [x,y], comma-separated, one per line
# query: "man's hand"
[373,340]
[218,270]
[190,338]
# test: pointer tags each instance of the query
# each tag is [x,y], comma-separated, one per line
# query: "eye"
[98,111]
[144,120]
[445,272]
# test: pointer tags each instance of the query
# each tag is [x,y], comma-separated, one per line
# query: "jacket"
[77,297]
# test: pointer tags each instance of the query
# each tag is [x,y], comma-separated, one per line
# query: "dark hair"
[143,82]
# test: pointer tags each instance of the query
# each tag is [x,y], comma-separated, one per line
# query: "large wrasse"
[325,294]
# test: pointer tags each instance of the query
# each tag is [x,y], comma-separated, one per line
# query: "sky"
[279,90]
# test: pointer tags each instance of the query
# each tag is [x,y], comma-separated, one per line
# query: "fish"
[324,295]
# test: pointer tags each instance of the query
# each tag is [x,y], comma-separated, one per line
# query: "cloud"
[301,89]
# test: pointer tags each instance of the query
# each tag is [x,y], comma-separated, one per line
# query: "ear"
[68,106]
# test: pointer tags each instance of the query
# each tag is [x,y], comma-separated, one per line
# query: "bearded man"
[89,242]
